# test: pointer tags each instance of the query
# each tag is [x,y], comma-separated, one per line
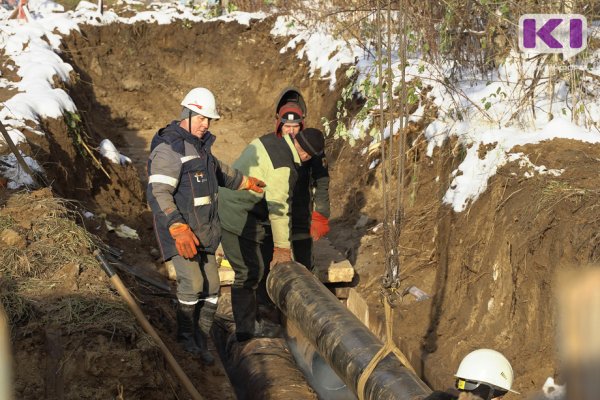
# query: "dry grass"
[78,314]
[28,282]
[557,191]
[54,239]
[16,307]
[6,221]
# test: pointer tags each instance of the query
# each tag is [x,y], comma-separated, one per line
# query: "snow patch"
[110,152]
[323,51]
[17,177]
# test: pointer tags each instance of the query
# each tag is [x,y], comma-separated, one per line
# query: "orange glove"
[185,240]
[252,183]
[281,255]
[319,226]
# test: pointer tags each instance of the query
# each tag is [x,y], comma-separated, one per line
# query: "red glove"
[319,226]
[252,183]
[185,240]
[281,255]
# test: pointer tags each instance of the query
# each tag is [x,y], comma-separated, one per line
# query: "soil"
[491,270]
[128,82]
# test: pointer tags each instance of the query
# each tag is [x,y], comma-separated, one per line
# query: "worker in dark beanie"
[257,229]
[311,209]
[310,140]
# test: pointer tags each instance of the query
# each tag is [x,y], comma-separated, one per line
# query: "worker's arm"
[233,179]
[278,194]
[319,226]
[227,176]
[163,178]
[320,180]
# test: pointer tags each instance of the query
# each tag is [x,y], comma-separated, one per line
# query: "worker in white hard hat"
[483,373]
[183,181]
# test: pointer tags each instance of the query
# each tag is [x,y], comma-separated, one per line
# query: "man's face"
[304,156]
[290,128]
[200,125]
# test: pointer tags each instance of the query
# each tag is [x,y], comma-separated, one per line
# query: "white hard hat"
[201,101]
[486,366]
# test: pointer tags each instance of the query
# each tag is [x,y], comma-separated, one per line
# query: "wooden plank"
[226,275]
[330,265]
[359,307]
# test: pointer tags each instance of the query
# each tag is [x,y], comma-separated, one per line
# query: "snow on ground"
[489,111]
[478,110]
[33,48]
[110,152]
[16,175]
[323,52]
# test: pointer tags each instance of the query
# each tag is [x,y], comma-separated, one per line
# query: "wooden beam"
[330,265]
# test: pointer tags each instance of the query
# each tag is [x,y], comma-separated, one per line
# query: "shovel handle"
[139,315]
[5,361]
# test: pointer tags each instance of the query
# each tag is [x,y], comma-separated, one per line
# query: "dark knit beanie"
[289,113]
[312,141]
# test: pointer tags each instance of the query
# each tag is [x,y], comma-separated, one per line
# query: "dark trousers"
[249,260]
[302,250]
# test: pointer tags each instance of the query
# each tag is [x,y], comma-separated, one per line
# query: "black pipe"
[258,369]
[343,341]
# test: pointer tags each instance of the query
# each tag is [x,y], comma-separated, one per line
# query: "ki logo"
[553,33]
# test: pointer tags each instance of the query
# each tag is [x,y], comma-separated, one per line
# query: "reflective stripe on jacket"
[183,184]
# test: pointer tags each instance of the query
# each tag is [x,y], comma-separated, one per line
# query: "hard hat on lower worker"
[201,101]
[488,367]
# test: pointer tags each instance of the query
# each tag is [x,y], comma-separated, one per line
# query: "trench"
[130,81]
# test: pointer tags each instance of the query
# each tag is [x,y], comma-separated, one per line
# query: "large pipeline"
[258,369]
[343,341]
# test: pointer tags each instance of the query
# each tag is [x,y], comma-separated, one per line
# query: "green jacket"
[247,214]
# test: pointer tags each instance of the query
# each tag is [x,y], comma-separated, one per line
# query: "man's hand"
[252,183]
[319,226]
[281,255]
[185,240]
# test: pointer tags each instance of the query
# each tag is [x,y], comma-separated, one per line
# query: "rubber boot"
[206,314]
[266,309]
[243,304]
[267,329]
[185,328]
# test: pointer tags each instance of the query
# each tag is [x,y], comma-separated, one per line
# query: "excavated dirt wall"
[128,81]
[490,269]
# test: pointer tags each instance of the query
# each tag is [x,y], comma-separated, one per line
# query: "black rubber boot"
[206,314]
[186,325]
[267,329]
[243,304]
